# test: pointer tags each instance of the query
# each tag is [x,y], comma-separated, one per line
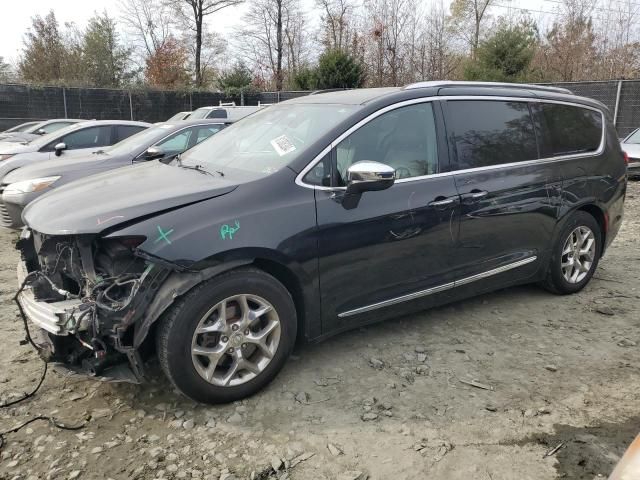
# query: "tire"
[202,365]
[560,263]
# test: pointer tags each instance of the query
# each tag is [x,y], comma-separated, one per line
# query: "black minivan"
[315,216]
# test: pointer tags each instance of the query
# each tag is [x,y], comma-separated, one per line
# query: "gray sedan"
[84,135]
[164,140]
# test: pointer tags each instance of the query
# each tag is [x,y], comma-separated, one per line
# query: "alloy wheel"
[578,254]
[235,340]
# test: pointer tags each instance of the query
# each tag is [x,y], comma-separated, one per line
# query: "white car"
[80,136]
[631,146]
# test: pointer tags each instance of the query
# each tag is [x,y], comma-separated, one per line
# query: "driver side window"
[404,138]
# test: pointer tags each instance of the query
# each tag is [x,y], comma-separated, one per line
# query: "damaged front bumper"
[87,296]
[57,318]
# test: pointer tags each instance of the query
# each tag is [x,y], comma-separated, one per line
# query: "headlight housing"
[5,156]
[28,186]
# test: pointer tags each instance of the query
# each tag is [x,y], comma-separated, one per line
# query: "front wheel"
[575,255]
[228,337]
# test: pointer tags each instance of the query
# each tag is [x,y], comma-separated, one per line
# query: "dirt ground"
[386,402]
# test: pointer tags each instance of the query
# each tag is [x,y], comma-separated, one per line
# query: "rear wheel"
[228,337]
[575,255]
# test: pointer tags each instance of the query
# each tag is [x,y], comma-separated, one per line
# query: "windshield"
[141,140]
[25,127]
[200,113]
[268,140]
[634,137]
[179,116]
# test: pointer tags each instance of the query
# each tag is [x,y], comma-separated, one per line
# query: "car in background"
[84,135]
[231,113]
[38,129]
[20,128]
[162,141]
[179,116]
[631,146]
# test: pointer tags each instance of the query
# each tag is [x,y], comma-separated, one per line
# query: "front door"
[395,247]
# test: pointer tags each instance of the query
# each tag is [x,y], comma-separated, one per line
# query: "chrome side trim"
[496,271]
[440,288]
[393,301]
[388,108]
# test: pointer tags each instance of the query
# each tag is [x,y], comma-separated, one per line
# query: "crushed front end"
[87,294]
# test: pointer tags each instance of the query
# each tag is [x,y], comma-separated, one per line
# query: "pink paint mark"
[100,222]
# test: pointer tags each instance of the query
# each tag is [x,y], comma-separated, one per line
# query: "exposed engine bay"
[88,293]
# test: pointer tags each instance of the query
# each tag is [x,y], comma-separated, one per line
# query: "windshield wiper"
[198,168]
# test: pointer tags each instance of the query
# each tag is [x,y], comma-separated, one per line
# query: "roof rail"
[454,83]
[327,90]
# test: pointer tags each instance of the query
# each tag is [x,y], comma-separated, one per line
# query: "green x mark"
[164,235]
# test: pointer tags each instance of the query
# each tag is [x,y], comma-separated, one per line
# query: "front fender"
[176,285]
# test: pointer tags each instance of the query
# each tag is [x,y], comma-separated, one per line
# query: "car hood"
[12,148]
[18,137]
[632,149]
[105,200]
[62,166]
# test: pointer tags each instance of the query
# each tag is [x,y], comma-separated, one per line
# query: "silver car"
[631,146]
[77,137]
[37,129]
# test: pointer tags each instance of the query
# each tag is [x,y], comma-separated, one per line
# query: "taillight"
[625,155]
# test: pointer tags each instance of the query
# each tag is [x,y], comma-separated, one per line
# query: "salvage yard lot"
[395,400]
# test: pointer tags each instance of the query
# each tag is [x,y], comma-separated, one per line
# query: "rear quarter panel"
[599,180]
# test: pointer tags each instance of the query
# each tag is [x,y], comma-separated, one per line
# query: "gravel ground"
[396,400]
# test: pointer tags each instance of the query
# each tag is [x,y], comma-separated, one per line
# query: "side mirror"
[40,131]
[368,176]
[153,153]
[59,148]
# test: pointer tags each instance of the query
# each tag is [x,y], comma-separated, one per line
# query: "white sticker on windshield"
[282,145]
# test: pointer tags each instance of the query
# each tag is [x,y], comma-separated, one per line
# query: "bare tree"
[192,14]
[469,17]
[148,22]
[274,39]
[617,39]
[335,19]
[436,58]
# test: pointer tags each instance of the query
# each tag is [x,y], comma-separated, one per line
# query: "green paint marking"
[227,231]
[163,235]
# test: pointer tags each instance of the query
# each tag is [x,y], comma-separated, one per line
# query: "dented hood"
[105,200]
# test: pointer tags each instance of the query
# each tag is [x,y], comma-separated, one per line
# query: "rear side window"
[217,113]
[125,131]
[490,132]
[570,129]
[206,132]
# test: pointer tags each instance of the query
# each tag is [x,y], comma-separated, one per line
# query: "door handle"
[442,201]
[475,194]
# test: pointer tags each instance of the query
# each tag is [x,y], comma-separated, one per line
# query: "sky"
[16,20]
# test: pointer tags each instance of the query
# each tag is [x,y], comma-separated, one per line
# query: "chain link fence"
[22,103]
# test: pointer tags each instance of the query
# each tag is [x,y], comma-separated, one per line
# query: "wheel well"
[598,214]
[290,282]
